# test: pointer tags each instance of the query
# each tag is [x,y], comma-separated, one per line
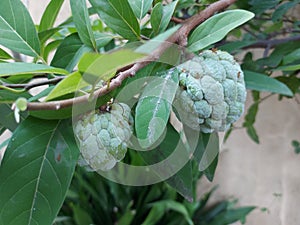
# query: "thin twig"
[272,43]
[28,86]
[179,37]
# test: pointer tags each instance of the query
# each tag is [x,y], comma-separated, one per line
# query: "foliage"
[92,199]
[41,156]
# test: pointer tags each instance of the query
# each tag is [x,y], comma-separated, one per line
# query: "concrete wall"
[264,175]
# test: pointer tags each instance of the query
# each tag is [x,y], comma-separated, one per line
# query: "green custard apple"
[103,136]
[213,93]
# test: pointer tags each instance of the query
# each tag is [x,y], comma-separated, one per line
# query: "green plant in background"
[91,65]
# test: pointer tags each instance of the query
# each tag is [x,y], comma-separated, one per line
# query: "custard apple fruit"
[213,92]
[103,136]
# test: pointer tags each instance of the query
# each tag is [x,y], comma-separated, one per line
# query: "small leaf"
[140,7]
[69,52]
[18,32]
[153,108]
[50,15]
[161,16]
[96,66]
[69,85]
[19,68]
[215,28]
[261,82]
[252,134]
[118,16]
[82,22]
[42,156]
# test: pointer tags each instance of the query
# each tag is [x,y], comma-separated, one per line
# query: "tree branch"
[272,43]
[180,37]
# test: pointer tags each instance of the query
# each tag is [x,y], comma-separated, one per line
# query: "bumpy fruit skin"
[103,136]
[213,91]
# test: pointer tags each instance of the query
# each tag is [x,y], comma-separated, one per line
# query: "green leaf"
[50,48]
[81,217]
[118,16]
[82,22]
[292,82]
[4,54]
[153,108]
[291,57]
[7,118]
[289,68]
[46,34]
[64,113]
[140,7]
[69,52]
[261,82]
[154,43]
[282,9]
[159,208]
[19,68]
[69,85]
[102,39]
[18,32]
[7,96]
[232,215]
[207,153]
[215,28]
[36,170]
[96,66]
[251,131]
[161,16]
[50,15]
[182,180]
[259,6]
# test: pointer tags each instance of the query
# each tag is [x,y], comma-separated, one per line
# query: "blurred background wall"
[265,175]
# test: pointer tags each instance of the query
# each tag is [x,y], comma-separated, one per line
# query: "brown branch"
[180,37]
[272,43]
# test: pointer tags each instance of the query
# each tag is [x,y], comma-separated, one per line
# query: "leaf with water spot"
[36,171]
[153,108]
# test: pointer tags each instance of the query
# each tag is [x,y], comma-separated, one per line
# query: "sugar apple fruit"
[103,136]
[213,93]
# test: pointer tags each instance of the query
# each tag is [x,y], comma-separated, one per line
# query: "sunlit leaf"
[18,68]
[215,28]
[50,15]
[18,32]
[119,16]
[82,22]
[140,7]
